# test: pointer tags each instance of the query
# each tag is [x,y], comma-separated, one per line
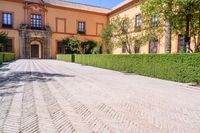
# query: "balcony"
[10,26]
[28,26]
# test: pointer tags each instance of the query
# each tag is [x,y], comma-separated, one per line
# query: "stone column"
[27,46]
[47,48]
[22,42]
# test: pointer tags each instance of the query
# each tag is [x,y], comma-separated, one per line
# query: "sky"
[101,3]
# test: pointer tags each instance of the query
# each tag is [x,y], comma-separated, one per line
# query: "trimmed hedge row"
[1,58]
[66,57]
[176,67]
[6,57]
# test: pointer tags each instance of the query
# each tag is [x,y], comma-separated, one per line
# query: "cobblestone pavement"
[51,96]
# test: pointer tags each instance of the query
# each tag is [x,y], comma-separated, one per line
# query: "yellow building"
[35,27]
[131,9]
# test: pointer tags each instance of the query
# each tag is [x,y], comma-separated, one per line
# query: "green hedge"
[176,67]
[66,57]
[7,56]
[1,58]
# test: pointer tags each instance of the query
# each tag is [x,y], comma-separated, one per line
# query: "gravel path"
[51,96]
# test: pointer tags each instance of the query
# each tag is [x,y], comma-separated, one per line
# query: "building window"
[137,46]
[137,22]
[153,45]
[154,20]
[181,44]
[36,21]
[7,20]
[137,49]
[81,27]
[60,48]
[124,49]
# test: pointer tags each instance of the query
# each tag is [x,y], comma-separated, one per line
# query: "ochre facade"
[131,9]
[57,23]
[37,26]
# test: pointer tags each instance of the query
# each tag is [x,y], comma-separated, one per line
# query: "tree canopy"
[183,17]
[73,45]
[88,46]
[122,36]
[106,36]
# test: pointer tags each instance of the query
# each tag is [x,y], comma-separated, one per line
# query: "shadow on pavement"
[4,69]
[16,79]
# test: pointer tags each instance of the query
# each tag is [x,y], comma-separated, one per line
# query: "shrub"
[72,45]
[88,46]
[97,50]
[3,39]
[8,56]
[176,67]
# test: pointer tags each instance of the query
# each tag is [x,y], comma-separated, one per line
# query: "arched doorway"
[35,50]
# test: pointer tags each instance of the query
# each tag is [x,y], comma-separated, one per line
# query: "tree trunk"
[167,37]
[129,47]
[198,37]
[187,33]
[1,46]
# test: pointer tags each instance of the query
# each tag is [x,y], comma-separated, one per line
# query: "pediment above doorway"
[35,40]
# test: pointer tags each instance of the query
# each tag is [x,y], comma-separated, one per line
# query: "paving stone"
[50,96]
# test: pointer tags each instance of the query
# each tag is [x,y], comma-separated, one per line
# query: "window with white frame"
[153,46]
[181,44]
[81,27]
[137,22]
[36,21]
[7,20]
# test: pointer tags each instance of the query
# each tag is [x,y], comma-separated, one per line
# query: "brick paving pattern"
[51,96]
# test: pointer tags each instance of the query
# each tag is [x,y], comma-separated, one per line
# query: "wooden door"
[34,51]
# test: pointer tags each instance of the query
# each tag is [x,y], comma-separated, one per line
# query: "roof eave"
[123,6]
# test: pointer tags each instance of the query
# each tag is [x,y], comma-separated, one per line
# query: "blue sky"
[101,3]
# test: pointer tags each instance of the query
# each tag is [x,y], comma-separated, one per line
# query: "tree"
[122,36]
[162,10]
[178,16]
[97,50]
[3,39]
[88,46]
[106,37]
[195,30]
[72,45]
[186,21]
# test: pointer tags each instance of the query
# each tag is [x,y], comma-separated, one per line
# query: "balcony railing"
[27,26]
